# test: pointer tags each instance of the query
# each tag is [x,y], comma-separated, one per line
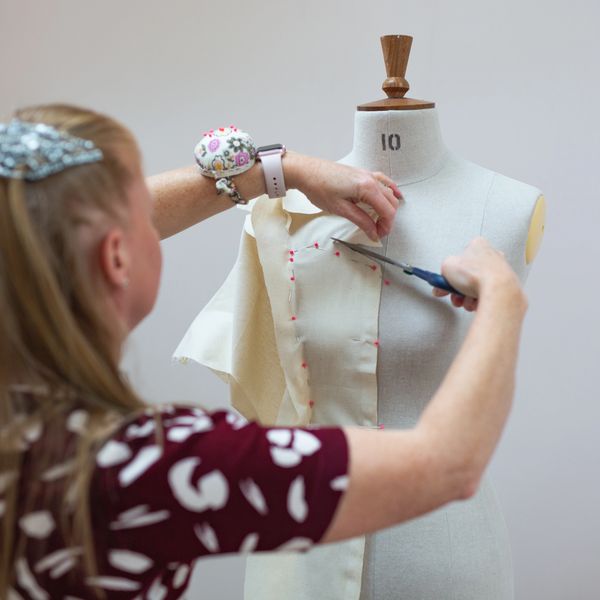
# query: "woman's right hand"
[478,269]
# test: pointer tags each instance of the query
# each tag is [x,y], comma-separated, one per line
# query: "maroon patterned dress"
[215,484]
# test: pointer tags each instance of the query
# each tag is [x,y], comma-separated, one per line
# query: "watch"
[270,157]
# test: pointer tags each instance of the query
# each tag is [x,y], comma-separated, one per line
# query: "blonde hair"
[55,338]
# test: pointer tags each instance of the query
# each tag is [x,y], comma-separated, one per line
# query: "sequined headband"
[33,151]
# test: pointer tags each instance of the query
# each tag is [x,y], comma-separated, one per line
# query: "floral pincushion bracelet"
[228,151]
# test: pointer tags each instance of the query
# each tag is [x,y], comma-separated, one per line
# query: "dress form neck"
[406,145]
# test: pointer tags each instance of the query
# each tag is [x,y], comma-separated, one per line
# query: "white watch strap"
[273,170]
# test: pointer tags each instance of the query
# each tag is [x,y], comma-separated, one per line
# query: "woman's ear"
[115,261]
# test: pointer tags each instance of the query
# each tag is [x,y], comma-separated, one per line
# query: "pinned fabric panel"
[316,286]
[261,331]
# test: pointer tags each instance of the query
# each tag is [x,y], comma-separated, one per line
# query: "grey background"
[516,84]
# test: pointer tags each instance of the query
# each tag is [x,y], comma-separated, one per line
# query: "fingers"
[380,192]
[383,178]
[390,196]
[360,218]
[385,224]
[462,275]
[466,302]
[336,188]
[438,293]
[457,300]
[389,189]
[470,304]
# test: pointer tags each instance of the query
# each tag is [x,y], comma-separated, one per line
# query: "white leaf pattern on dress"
[113,583]
[236,421]
[180,576]
[340,484]
[39,524]
[187,425]
[126,560]
[140,431]
[57,559]
[206,534]
[254,495]
[144,459]
[179,434]
[279,437]
[202,423]
[198,421]
[139,517]
[2,507]
[157,591]
[26,580]
[296,501]
[13,595]
[57,471]
[210,492]
[249,543]
[134,511]
[113,453]
[63,568]
[295,544]
[182,420]
[285,457]
[305,443]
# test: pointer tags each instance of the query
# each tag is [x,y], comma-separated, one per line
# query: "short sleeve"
[182,483]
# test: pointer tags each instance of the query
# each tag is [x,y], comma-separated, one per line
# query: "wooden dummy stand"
[396,51]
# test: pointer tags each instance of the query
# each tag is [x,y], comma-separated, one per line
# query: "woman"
[102,495]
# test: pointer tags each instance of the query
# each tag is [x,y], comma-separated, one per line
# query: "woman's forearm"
[467,414]
[183,197]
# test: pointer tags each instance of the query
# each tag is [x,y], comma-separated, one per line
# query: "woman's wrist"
[251,183]
[294,165]
[505,293]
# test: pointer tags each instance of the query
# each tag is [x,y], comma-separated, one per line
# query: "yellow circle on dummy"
[536,230]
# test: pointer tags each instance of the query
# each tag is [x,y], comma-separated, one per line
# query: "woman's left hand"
[340,188]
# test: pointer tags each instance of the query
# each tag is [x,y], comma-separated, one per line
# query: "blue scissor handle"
[435,279]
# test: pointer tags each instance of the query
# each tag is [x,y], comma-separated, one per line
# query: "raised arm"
[218,484]
[183,197]
[398,475]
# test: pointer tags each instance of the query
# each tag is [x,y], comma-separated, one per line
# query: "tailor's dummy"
[369,347]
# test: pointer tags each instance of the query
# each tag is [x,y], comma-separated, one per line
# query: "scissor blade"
[374,255]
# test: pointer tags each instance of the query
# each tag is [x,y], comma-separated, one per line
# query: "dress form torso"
[460,551]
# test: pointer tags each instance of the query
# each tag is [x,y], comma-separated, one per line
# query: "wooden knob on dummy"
[396,51]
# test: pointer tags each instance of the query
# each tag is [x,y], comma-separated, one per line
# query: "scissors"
[434,279]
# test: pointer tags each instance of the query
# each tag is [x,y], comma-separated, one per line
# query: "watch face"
[270,147]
